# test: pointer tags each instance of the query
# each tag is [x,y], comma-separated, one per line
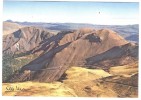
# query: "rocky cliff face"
[24,39]
[85,47]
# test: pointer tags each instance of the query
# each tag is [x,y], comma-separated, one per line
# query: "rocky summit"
[24,39]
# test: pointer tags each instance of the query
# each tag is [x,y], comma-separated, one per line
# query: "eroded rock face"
[24,40]
[87,48]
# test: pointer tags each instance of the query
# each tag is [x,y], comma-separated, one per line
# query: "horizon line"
[65,22]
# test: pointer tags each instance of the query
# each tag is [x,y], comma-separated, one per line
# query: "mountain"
[10,27]
[118,55]
[24,39]
[85,47]
[123,30]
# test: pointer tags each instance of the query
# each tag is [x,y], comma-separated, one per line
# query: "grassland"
[79,82]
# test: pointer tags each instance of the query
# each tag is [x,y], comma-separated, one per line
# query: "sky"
[103,13]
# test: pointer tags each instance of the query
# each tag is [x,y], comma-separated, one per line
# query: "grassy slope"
[9,27]
[79,82]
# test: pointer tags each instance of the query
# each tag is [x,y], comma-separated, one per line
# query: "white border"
[64,98]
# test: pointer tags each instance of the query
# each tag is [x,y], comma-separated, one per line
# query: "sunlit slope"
[10,27]
[39,89]
[81,82]
[126,70]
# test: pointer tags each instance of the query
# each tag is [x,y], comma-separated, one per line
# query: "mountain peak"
[73,48]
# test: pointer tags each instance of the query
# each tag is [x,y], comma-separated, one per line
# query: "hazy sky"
[76,12]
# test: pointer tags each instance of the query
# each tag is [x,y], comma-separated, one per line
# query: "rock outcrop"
[24,39]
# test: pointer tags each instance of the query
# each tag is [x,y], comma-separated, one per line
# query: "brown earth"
[82,82]
[24,40]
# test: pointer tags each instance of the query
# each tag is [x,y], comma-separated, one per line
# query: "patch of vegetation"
[7,69]
[11,64]
[21,54]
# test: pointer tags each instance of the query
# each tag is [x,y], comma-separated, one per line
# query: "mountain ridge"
[63,52]
[124,30]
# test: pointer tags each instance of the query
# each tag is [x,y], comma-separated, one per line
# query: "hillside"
[82,82]
[10,27]
[24,40]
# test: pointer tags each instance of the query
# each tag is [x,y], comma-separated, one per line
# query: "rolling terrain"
[84,62]
[82,82]
[85,47]
[10,27]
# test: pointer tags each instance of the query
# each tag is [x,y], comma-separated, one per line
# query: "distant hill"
[134,37]
[10,27]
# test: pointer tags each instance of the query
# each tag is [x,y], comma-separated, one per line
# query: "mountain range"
[60,46]
[124,30]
